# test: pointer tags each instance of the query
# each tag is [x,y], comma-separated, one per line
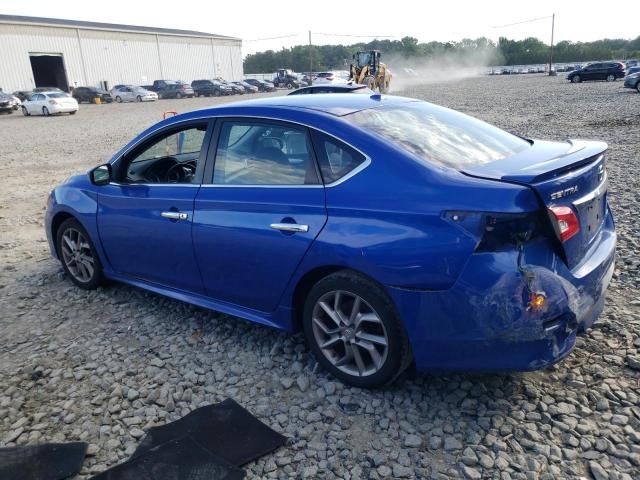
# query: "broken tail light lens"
[565,222]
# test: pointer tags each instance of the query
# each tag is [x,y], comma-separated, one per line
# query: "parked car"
[132,93]
[248,88]
[6,103]
[49,103]
[632,81]
[499,250]
[632,70]
[208,88]
[323,78]
[608,71]
[334,88]
[176,90]
[23,94]
[90,94]
[263,85]
[235,89]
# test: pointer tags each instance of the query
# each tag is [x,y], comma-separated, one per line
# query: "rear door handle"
[174,215]
[290,227]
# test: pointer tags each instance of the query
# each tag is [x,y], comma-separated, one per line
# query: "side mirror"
[101,175]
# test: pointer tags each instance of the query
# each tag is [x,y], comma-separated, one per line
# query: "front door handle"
[290,227]
[174,215]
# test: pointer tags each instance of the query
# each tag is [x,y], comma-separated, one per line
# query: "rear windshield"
[56,95]
[439,135]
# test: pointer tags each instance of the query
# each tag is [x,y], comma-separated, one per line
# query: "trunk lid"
[571,174]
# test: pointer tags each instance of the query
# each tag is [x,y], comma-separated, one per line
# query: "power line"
[273,38]
[524,21]
[354,36]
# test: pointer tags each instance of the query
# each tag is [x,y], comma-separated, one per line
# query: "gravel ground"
[103,366]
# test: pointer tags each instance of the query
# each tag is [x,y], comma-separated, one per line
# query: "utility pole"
[310,60]
[553,21]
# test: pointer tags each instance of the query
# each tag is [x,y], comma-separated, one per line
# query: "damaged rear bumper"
[483,323]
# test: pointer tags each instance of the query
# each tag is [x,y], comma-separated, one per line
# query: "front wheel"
[138,99]
[78,255]
[638,87]
[576,79]
[354,330]
[25,112]
[611,78]
[178,95]
[118,100]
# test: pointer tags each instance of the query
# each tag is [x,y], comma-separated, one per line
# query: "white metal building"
[44,52]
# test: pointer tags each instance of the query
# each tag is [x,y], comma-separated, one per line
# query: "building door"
[48,70]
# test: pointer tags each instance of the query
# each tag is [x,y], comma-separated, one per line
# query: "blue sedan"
[391,231]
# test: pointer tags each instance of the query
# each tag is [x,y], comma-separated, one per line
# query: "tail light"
[52,102]
[565,222]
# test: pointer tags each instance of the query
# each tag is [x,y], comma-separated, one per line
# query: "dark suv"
[176,90]
[210,87]
[608,71]
[89,94]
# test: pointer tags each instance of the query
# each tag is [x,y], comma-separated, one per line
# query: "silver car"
[132,93]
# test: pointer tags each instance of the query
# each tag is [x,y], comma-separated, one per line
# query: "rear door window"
[264,153]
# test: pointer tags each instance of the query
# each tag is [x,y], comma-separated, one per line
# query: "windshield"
[439,135]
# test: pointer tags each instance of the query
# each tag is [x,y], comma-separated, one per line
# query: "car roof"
[336,104]
[335,86]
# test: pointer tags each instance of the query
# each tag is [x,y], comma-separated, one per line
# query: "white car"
[132,93]
[324,78]
[49,103]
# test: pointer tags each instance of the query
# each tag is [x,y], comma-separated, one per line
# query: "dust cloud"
[411,72]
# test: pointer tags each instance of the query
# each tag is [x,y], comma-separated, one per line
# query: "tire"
[45,111]
[25,112]
[576,79]
[638,87]
[611,78]
[289,85]
[73,113]
[370,82]
[178,95]
[371,371]
[138,99]
[118,100]
[86,274]
[216,93]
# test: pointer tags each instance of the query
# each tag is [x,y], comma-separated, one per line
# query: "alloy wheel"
[350,333]
[77,255]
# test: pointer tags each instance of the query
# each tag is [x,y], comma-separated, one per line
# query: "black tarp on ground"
[50,461]
[181,459]
[226,430]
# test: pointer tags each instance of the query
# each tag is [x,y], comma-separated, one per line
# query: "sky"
[257,22]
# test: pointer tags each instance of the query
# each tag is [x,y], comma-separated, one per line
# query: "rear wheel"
[576,79]
[354,331]
[45,111]
[25,112]
[118,100]
[216,93]
[611,78]
[289,85]
[73,113]
[638,87]
[78,255]
[178,95]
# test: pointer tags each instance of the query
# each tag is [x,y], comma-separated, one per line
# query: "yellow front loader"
[367,69]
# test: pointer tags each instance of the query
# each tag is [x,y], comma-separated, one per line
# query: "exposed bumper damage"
[486,322]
